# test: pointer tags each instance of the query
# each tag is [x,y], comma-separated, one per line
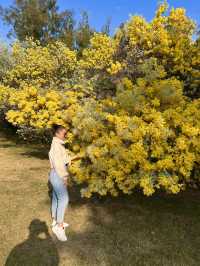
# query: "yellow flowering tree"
[130,103]
[168,37]
[147,136]
[47,67]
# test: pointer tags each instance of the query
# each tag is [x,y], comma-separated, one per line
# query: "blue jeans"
[60,197]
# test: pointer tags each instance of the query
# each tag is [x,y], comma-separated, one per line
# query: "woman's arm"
[75,157]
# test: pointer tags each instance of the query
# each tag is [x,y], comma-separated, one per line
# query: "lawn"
[131,230]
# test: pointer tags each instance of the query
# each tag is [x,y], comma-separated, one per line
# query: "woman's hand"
[75,157]
[65,180]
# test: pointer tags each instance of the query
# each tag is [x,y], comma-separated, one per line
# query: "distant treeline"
[42,20]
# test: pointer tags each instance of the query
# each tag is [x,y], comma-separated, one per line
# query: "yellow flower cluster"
[150,150]
[45,67]
[100,54]
[114,68]
[168,38]
[39,109]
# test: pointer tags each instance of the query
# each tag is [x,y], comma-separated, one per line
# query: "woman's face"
[61,133]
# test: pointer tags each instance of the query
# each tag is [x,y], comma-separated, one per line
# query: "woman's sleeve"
[58,162]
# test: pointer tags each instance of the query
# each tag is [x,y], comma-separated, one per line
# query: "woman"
[59,160]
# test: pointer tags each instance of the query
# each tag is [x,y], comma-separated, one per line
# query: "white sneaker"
[59,232]
[54,223]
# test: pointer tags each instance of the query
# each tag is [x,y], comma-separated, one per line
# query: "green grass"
[131,230]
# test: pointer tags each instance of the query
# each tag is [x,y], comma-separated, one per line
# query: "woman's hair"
[56,128]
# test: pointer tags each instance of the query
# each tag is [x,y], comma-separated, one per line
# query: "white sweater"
[59,157]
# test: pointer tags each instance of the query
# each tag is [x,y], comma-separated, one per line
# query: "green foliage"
[5,60]
[83,33]
[39,20]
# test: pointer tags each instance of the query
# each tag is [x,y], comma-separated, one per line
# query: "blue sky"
[117,10]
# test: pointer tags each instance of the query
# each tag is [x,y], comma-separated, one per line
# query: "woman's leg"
[62,197]
[54,205]
[54,200]
[63,200]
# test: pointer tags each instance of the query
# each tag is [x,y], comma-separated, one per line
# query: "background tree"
[39,19]
[83,33]
[5,60]
[106,27]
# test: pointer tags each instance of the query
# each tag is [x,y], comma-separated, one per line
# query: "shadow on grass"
[31,148]
[136,230]
[36,250]
[40,153]
[7,145]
